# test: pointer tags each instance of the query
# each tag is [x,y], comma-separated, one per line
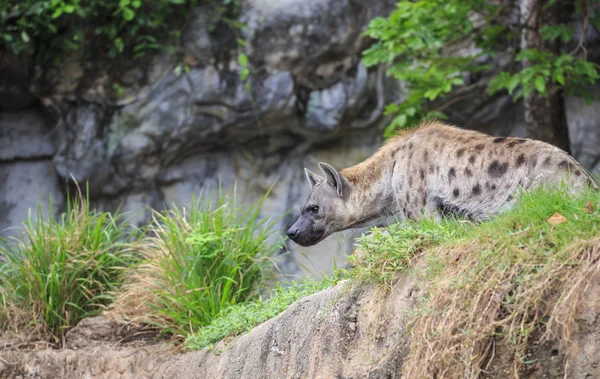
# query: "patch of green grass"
[61,270]
[243,317]
[199,260]
[510,279]
[383,253]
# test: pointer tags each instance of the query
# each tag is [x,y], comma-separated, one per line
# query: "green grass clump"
[61,270]
[199,260]
[240,318]
[509,281]
[383,253]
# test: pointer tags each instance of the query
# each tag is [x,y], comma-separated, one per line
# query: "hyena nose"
[292,233]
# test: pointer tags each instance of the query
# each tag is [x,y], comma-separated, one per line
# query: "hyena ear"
[336,179]
[313,179]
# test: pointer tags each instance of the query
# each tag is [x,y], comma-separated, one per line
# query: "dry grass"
[510,282]
[455,337]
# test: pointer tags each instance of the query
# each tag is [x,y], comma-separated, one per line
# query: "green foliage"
[417,40]
[240,318]
[416,33]
[565,72]
[57,26]
[383,253]
[61,271]
[202,259]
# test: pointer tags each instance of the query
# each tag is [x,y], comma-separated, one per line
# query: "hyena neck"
[371,197]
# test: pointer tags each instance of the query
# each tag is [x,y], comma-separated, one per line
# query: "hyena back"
[434,171]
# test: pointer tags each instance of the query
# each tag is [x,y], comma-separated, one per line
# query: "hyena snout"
[304,232]
[292,233]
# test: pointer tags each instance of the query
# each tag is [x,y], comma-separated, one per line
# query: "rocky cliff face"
[166,133]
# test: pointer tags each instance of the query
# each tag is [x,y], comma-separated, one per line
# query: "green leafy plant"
[199,260]
[114,26]
[61,270]
[432,45]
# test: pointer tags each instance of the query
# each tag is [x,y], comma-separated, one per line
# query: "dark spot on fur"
[564,165]
[422,174]
[577,173]
[479,146]
[477,189]
[410,146]
[468,172]
[509,198]
[431,169]
[407,198]
[410,181]
[424,199]
[448,210]
[451,174]
[516,141]
[456,192]
[520,160]
[499,139]
[472,159]
[426,156]
[460,152]
[490,186]
[497,169]
[546,162]
[533,161]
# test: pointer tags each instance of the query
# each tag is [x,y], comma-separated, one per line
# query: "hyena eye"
[314,209]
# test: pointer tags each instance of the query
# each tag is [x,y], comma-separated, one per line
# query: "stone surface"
[24,186]
[584,129]
[101,332]
[24,134]
[340,332]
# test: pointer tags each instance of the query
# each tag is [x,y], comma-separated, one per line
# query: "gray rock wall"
[169,133]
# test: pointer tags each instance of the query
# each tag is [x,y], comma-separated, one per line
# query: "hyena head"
[324,211]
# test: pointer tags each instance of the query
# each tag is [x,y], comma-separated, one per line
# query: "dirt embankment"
[341,332]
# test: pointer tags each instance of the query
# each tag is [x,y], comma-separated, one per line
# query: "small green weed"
[61,271]
[240,318]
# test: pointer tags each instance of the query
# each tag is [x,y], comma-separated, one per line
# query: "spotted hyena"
[434,171]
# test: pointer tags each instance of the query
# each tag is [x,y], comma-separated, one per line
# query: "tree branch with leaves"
[437,47]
